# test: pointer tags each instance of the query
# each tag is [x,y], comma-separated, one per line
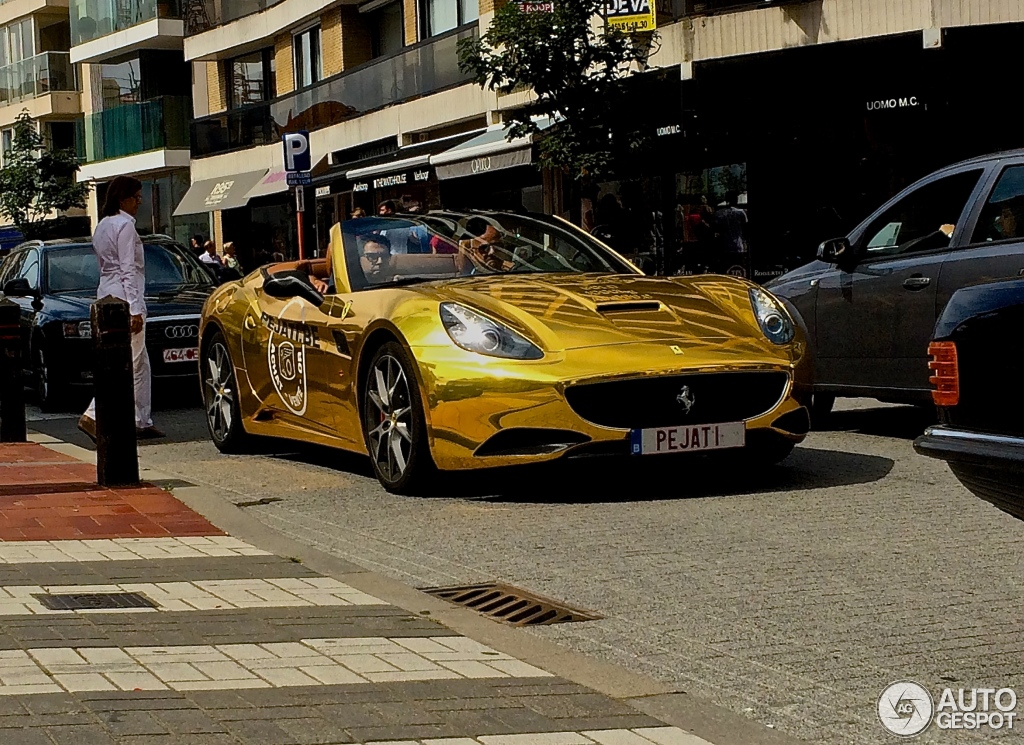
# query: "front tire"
[49,392]
[394,425]
[220,398]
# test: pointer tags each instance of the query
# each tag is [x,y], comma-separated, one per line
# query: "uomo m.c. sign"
[903,102]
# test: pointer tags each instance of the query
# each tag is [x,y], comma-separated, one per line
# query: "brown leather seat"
[315,267]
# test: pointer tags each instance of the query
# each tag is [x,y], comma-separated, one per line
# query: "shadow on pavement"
[629,480]
[902,422]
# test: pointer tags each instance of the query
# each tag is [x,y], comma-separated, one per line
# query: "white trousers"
[143,383]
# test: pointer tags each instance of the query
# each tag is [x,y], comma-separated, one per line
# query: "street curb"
[714,724]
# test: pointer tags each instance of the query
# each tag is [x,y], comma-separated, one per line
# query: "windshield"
[382,251]
[75,269]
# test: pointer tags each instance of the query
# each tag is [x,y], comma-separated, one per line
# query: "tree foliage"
[575,67]
[37,184]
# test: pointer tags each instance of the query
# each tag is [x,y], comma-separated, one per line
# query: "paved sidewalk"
[232,644]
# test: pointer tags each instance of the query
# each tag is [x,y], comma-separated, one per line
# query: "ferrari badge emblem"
[675,349]
[685,399]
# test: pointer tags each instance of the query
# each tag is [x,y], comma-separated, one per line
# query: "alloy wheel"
[390,409]
[219,391]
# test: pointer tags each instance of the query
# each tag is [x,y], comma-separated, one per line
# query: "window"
[6,144]
[388,28]
[307,57]
[30,269]
[444,15]
[121,84]
[17,42]
[1002,218]
[920,221]
[250,78]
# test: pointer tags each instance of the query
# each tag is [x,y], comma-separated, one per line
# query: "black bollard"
[117,456]
[12,387]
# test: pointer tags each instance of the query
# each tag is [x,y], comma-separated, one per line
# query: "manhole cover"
[96,601]
[513,605]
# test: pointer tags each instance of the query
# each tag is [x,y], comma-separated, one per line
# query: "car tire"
[49,392]
[220,398]
[821,409]
[394,425]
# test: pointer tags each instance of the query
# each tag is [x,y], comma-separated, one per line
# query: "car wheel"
[220,398]
[821,409]
[393,423]
[48,391]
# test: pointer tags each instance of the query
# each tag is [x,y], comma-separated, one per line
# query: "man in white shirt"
[122,265]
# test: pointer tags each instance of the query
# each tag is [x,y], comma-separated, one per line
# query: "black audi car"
[976,369]
[55,284]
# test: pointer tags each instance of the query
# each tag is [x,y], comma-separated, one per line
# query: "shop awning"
[223,193]
[402,159]
[276,181]
[487,152]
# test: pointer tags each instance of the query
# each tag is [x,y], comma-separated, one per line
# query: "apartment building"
[803,114]
[136,104]
[36,73]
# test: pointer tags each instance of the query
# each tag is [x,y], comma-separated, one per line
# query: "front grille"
[164,334]
[671,400]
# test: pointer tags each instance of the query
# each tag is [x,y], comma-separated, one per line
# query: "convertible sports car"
[456,341]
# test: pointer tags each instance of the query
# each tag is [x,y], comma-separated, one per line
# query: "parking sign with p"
[296,151]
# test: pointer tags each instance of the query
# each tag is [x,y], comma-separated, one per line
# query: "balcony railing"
[161,123]
[416,71]
[91,19]
[203,15]
[36,76]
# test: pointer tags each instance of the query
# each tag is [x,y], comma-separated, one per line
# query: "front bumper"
[967,448]
[484,412]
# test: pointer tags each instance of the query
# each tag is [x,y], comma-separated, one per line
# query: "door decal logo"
[286,359]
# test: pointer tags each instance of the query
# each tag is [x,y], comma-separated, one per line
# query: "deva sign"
[630,15]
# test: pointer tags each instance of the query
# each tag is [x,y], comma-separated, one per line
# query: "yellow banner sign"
[630,15]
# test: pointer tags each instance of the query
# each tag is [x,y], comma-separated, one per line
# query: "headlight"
[79,329]
[772,316]
[477,333]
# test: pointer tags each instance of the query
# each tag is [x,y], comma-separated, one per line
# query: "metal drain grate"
[512,605]
[96,601]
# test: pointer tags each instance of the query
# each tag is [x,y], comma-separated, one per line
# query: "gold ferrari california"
[451,341]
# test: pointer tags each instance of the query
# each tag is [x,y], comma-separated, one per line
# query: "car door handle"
[250,322]
[916,283]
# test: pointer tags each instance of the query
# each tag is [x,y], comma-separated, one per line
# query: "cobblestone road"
[793,597]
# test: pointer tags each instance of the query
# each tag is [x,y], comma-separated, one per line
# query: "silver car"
[870,301]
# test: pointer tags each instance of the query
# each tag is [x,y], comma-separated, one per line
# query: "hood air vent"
[629,306]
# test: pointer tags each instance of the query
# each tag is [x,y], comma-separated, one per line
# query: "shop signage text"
[323,191]
[893,103]
[364,186]
[672,129]
[219,193]
[481,164]
[399,179]
[537,7]
[630,15]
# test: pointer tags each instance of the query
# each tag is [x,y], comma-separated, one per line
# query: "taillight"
[945,375]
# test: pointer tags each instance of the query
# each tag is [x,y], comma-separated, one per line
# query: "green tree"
[575,66]
[38,185]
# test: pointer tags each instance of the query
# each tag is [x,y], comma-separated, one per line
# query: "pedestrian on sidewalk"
[122,265]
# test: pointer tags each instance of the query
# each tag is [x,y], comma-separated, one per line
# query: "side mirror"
[289,284]
[18,288]
[835,251]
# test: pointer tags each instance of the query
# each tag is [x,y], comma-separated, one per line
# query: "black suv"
[871,300]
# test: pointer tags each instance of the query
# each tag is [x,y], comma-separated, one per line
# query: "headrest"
[409,264]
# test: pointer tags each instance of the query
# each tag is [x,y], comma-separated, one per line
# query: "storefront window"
[711,221]
[251,78]
[307,57]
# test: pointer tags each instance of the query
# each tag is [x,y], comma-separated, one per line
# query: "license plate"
[189,354]
[689,439]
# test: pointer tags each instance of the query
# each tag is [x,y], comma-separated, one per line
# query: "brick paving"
[243,647]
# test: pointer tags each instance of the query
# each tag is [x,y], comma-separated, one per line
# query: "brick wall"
[356,42]
[284,64]
[411,28]
[489,6]
[216,86]
[331,41]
